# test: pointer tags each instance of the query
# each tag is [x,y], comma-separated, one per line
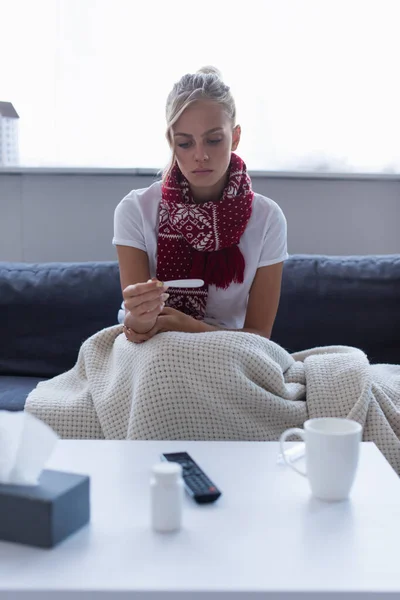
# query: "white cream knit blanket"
[216,386]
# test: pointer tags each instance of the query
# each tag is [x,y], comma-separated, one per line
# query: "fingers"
[147,307]
[167,310]
[143,288]
[145,299]
[149,315]
[138,338]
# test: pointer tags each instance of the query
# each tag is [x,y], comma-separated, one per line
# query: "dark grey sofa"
[48,310]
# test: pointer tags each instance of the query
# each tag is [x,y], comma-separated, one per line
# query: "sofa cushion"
[14,390]
[344,300]
[47,310]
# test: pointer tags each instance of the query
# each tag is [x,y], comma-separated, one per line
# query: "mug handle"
[285,434]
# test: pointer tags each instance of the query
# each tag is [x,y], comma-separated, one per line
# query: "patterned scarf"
[201,240]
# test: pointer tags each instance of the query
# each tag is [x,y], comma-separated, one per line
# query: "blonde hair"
[206,84]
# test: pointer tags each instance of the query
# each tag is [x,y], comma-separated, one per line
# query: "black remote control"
[197,484]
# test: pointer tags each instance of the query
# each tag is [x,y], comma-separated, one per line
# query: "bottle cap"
[167,472]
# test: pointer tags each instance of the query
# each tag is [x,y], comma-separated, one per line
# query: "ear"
[236,137]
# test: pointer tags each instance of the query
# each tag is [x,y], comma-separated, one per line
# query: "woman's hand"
[139,338]
[171,319]
[144,302]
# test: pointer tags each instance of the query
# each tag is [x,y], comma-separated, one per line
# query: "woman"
[204,221]
[201,221]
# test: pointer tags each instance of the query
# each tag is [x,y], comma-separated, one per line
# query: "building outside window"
[9,146]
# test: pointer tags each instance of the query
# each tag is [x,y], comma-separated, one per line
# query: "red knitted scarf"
[201,240]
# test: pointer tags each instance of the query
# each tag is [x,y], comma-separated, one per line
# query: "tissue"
[26,444]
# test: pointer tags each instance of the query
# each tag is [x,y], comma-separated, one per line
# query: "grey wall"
[68,216]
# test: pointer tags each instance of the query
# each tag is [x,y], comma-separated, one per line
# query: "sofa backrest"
[341,300]
[48,310]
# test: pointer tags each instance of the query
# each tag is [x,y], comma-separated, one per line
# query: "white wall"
[68,216]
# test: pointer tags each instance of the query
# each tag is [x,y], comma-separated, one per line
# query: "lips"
[202,171]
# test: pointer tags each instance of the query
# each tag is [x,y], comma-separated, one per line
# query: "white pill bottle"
[166,490]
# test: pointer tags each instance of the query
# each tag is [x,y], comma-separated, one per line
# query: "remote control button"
[197,484]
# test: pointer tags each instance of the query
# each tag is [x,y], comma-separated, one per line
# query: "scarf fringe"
[219,268]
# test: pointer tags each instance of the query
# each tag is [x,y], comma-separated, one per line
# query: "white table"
[265,537]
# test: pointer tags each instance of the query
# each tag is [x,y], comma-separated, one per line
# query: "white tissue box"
[45,514]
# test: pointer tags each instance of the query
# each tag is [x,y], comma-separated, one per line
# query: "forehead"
[201,116]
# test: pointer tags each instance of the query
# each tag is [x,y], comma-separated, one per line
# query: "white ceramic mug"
[332,449]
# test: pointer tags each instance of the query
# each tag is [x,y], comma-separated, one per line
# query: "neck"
[212,193]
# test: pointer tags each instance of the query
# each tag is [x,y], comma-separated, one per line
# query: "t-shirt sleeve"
[275,241]
[128,223]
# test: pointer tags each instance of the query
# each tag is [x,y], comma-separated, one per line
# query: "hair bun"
[210,70]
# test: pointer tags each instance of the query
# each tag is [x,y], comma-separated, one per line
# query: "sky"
[315,81]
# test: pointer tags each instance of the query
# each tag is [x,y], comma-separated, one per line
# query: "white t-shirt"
[262,243]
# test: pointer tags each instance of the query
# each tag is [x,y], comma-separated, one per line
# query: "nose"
[200,154]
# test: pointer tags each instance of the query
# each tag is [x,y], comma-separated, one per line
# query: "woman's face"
[203,141]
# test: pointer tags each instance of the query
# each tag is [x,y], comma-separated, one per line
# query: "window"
[315,81]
